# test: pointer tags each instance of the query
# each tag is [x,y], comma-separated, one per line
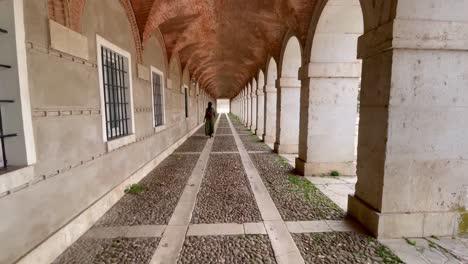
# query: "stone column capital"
[288,82]
[414,34]
[330,70]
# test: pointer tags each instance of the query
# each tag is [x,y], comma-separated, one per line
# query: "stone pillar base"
[259,133]
[403,224]
[286,149]
[324,168]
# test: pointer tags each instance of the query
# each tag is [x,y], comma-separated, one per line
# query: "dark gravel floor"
[253,143]
[200,131]
[245,249]
[224,143]
[224,131]
[155,205]
[295,197]
[225,195]
[103,251]
[193,144]
[342,247]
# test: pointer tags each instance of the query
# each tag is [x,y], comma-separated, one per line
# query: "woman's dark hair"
[209,104]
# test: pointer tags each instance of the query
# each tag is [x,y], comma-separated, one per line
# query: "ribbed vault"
[223,43]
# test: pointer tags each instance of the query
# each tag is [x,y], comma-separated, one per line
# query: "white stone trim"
[100,41]
[158,129]
[23,80]
[15,179]
[57,243]
[120,142]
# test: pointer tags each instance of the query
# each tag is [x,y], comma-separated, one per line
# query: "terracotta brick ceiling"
[223,42]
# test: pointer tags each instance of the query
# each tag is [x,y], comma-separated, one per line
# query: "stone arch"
[175,73]
[291,58]
[70,12]
[330,86]
[271,72]
[269,135]
[288,98]
[159,38]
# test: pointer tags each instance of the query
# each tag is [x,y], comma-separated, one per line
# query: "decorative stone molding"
[38,113]
[143,72]
[332,69]
[288,82]
[59,54]
[68,41]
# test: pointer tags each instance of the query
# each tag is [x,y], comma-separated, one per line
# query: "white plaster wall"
[72,157]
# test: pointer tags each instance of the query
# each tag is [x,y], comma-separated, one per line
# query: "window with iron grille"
[116,93]
[186,102]
[158,99]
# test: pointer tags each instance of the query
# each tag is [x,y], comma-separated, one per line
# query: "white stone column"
[269,135]
[260,112]
[249,106]
[328,118]
[244,119]
[253,125]
[287,115]
[413,134]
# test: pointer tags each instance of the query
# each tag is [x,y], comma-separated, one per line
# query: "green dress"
[210,117]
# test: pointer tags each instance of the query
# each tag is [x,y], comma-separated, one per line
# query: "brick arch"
[70,12]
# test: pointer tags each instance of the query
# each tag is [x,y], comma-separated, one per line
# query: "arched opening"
[269,135]
[330,88]
[287,116]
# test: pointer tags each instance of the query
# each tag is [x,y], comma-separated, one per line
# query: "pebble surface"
[223,131]
[225,195]
[224,143]
[292,204]
[251,249]
[253,143]
[342,247]
[193,144]
[106,251]
[155,205]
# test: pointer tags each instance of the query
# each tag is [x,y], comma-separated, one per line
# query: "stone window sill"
[159,129]
[15,177]
[120,142]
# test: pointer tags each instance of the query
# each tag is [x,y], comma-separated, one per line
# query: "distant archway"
[288,85]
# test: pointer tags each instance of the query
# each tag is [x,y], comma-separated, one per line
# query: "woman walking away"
[210,116]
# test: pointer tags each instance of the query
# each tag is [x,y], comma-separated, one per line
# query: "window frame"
[130,137]
[163,99]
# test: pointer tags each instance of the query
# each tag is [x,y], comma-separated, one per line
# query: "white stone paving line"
[125,231]
[320,226]
[186,153]
[173,237]
[284,247]
[226,229]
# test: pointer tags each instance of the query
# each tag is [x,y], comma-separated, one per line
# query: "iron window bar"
[5,66]
[3,31]
[115,94]
[157,100]
[4,136]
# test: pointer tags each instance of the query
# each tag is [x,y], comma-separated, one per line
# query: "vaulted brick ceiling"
[223,42]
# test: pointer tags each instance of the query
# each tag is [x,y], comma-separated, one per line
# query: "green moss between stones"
[463,225]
